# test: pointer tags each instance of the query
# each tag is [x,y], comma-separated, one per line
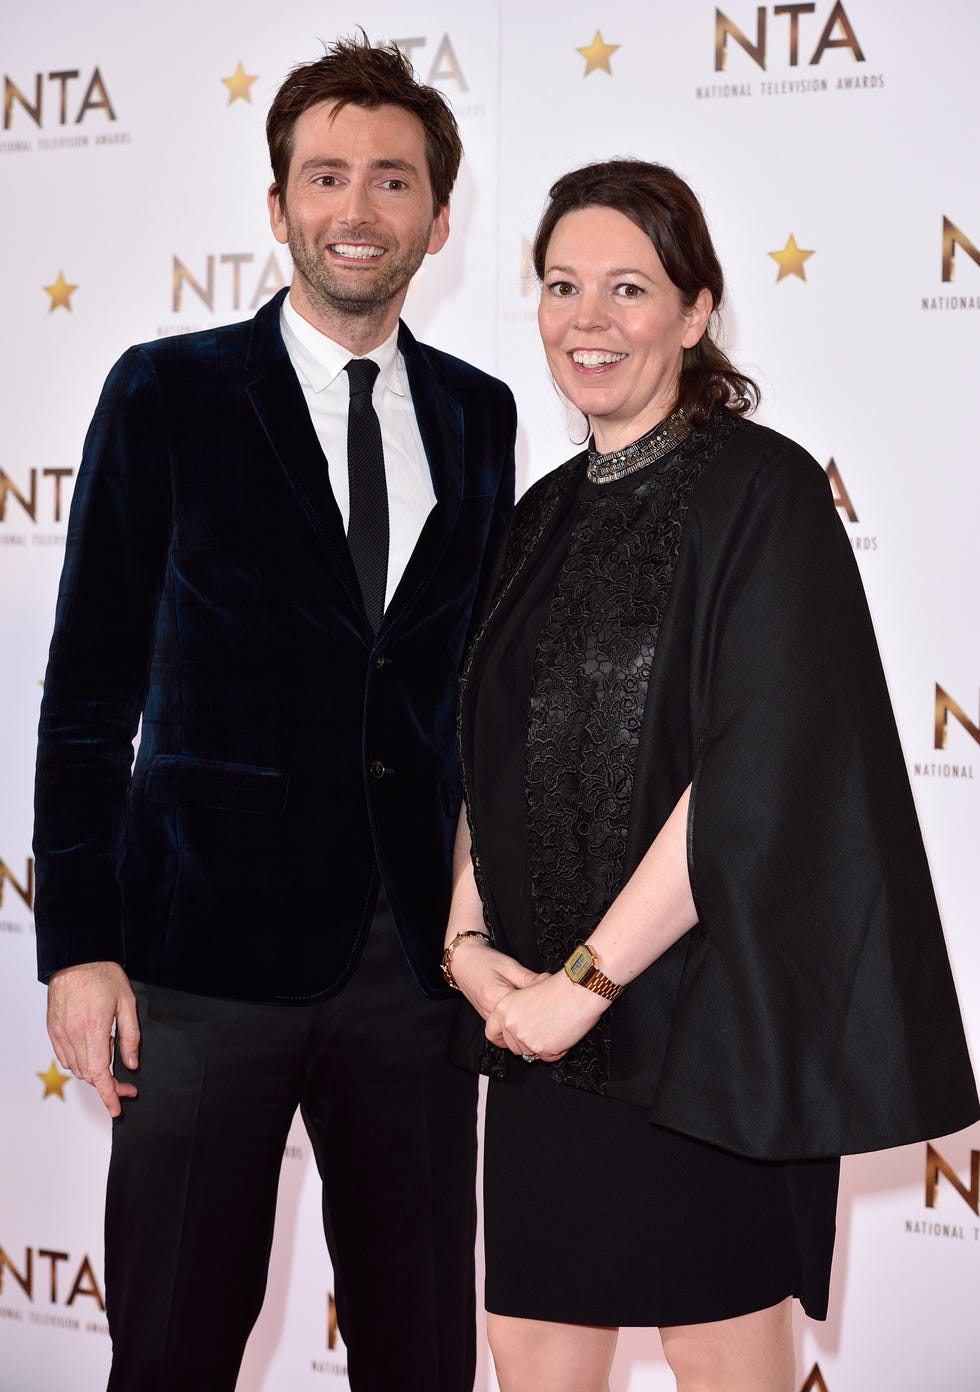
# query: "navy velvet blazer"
[287,753]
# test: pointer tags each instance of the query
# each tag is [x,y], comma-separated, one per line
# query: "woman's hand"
[482,973]
[485,976]
[545,1018]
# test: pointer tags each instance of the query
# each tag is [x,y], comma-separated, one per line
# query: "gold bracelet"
[447,956]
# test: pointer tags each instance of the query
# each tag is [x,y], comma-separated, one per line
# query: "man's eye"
[326,180]
[396,184]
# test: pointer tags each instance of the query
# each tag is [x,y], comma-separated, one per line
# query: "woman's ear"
[697,318]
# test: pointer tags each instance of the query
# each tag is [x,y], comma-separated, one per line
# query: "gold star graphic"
[597,54]
[790,259]
[61,293]
[54,1081]
[239,85]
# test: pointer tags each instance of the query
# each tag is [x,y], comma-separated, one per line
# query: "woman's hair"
[352,72]
[662,205]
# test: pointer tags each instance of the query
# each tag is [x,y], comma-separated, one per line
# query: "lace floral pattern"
[529,523]
[591,674]
[532,517]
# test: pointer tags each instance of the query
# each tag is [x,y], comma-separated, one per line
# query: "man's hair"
[662,205]
[352,72]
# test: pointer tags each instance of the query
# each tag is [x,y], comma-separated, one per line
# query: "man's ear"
[277,215]
[440,230]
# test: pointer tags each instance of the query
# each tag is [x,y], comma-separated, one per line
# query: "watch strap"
[602,986]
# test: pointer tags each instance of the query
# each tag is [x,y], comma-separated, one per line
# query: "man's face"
[356,213]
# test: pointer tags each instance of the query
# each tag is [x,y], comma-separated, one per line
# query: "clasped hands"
[530,1013]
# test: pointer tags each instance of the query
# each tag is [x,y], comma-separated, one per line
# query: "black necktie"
[367,531]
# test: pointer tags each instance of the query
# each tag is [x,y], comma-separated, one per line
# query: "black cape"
[811,1011]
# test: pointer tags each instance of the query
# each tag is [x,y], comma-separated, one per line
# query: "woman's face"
[613,325]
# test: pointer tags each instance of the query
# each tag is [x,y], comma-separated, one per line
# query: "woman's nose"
[591,311]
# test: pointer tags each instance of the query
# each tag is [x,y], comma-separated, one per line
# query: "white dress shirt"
[319,364]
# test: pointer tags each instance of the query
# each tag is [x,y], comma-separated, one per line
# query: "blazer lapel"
[278,401]
[440,422]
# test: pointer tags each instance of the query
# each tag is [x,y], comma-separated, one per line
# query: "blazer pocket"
[210,783]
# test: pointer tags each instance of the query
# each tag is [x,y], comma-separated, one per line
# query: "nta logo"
[270,280]
[936,1166]
[946,707]
[25,890]
[28,501]
[94,98]
[953,238]
[842,499]
[84,1282]
[837,20]
[445,65]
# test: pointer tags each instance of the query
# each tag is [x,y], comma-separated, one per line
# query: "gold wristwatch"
[582,967]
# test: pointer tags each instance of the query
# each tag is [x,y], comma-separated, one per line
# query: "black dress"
[592,1214]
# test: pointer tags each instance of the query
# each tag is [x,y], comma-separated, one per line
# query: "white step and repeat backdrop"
[833,148]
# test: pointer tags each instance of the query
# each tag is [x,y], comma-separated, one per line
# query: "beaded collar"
[606,468]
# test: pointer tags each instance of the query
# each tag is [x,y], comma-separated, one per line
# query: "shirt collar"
[321,360]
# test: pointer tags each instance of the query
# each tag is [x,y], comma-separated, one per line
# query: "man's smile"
[356,251]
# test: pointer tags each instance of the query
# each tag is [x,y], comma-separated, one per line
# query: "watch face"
[579,964]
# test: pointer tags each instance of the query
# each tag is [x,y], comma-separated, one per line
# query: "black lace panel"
[591,673]
[530,521]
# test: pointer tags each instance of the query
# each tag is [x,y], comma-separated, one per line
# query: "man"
[274,554]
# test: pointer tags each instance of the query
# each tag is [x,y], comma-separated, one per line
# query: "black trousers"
[195,1166]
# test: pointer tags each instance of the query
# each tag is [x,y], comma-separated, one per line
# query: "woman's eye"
[628,291]
[561,288]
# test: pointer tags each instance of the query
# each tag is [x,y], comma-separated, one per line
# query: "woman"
[697,920]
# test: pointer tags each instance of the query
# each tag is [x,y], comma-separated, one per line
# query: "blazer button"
[380,660]
[378,769]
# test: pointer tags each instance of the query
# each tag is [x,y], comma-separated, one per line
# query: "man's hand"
[83,1004]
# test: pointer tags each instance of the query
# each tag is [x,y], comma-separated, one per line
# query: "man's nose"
[355,205]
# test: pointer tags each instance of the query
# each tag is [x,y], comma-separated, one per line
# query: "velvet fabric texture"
[287,753]
[811,1012]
